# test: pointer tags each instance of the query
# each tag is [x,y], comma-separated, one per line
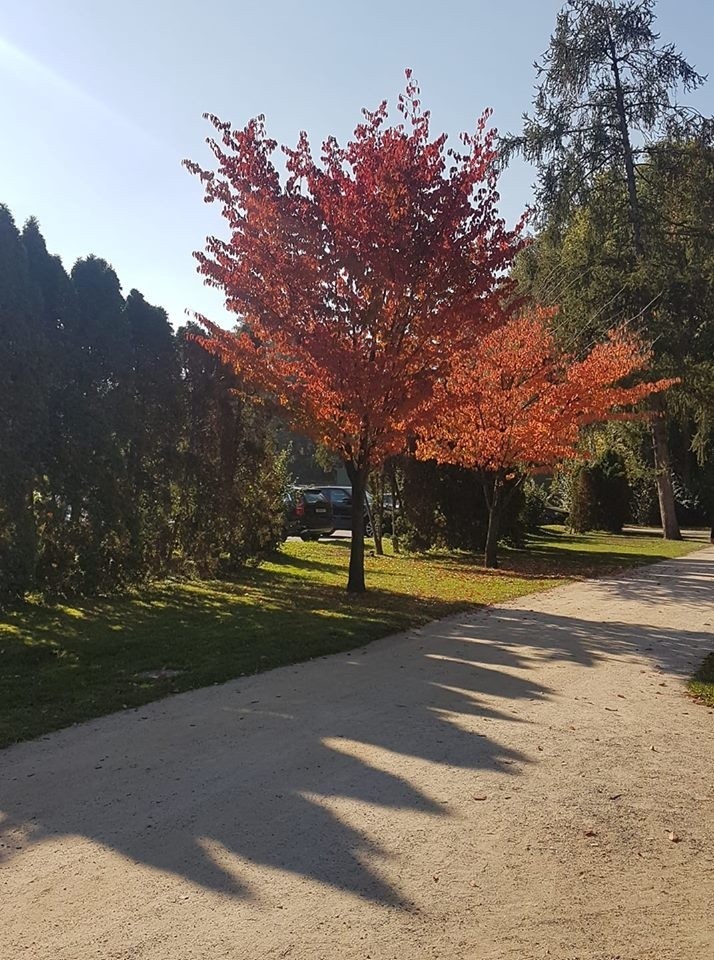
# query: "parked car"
[308,514]
[340,500]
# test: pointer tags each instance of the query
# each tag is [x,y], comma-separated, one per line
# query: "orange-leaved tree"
[356,276]
[514,406]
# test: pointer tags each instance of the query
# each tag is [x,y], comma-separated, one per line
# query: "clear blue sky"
[101,100]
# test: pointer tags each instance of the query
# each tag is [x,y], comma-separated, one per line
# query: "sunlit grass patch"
[64,663]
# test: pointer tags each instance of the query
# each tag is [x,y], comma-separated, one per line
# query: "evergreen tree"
[56,314]
[120,446]
[154,451]
[102,510]
[589,268]
[233,481]
[606,87]
[22,412]
[600,495]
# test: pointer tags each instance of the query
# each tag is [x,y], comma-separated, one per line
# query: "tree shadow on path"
[250,771]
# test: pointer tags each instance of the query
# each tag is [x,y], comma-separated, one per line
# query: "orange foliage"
[517,402]
[356,277]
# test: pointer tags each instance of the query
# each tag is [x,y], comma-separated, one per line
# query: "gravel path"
[524,782]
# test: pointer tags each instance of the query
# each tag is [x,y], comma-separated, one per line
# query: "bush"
[444,506]
[600,495]
[583,500]
[644,506]
[532,514]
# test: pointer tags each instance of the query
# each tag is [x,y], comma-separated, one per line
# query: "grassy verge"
[69,662]
[701,686]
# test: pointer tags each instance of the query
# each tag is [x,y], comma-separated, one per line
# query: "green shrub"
[600,495]
[444,506]
[533,511]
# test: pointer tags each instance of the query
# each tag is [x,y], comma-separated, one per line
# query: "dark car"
[341,500]
[308,514]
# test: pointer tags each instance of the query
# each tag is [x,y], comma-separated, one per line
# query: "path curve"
[524,782]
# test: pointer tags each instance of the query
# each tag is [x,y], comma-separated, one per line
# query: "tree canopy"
[517,403]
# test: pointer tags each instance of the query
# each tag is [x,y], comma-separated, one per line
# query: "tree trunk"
[490,558]
[493,500]
[665,493]
[376,511]
[355,579]
[633,199]
[396,547]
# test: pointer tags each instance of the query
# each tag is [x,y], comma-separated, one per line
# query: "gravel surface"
[527,781]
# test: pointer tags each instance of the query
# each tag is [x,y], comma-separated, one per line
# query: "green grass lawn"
[70,662]
[701,686]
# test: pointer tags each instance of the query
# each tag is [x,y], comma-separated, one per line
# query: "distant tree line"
[126,451]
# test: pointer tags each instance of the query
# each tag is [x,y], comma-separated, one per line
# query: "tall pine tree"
[606,87]
[102,510]
[155,444]
[23,409]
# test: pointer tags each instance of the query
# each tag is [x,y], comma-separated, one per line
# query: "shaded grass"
[701,686]
[65,663]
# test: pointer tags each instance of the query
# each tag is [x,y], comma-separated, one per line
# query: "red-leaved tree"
[515,405]
[354,278]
